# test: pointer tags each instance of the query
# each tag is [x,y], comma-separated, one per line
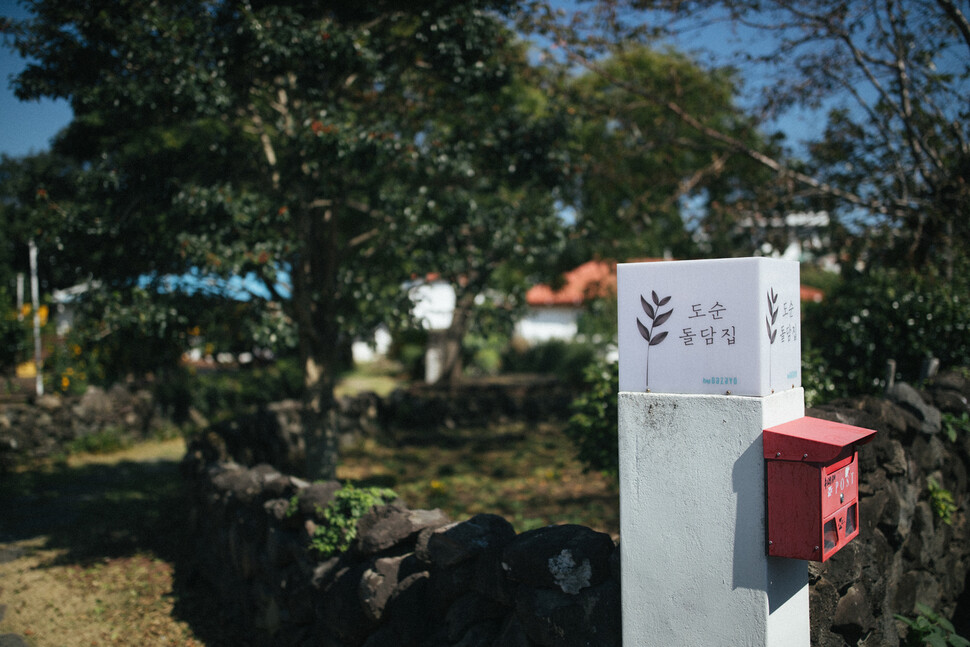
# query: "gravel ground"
[89,556]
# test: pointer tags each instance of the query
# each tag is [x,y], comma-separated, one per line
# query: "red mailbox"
[812,472]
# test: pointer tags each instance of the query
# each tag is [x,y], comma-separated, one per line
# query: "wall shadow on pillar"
[747,478]
[780,578]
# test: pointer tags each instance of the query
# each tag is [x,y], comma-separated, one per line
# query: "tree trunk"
[452,342]
[319,418]
[313,283]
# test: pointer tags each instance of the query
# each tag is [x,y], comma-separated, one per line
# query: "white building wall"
[544,324]
[434,304]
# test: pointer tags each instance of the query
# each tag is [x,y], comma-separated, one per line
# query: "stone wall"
[43,427]
[905,553]
[413,577]
[273,434]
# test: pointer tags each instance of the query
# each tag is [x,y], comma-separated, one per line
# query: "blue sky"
[27,126]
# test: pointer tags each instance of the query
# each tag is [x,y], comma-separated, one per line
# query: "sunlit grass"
[525,473]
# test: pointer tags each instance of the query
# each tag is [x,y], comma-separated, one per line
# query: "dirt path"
[89,556]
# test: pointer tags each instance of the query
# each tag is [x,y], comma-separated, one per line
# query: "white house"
[554,314]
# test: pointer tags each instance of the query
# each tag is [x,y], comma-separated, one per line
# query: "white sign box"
[727,326]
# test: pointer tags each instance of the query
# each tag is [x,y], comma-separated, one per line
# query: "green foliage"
[484,353]
[408,348]
[816,277]
[566,360]
[953,426]
[930,629]
[293,506]
[818,378]
[67,367]
[220,394]
[638,164]
[889,314]
[593,425]
[597,322]
[13,333]
[941,500]
[339,528]
[107,440]
[326,152]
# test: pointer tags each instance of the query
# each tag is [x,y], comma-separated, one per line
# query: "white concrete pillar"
[692,524]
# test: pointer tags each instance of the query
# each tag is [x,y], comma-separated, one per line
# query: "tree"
[274,140]
[894,77]
[640,167]
[496,169]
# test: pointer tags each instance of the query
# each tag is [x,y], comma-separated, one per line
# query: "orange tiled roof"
[597,279]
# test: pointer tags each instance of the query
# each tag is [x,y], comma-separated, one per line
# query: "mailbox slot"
[812,487]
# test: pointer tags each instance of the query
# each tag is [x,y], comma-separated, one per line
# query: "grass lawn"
[525,473]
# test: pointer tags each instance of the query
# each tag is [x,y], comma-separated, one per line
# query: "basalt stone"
[928,453]
[449,584]
[408,613]
[915,586]
[884,452]
[551,617]
[458,542]
[512,634]
[853,617]
[381,580]
[341,609]
[325,572]
[239,485]
[389,525]
[469,610]
[482,634]
[567,557]
[314,499]
[278,510]
[951,402]
[278,486]
[845,567]
[908,398]
[823,597]
[489,578]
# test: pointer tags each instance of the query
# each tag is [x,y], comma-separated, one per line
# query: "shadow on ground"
[98,512]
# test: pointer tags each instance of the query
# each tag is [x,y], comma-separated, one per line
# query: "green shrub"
[107,440]
[819,379]
[593,426]
[13,333]
[954,426]
[408,349]
[929,628]
[222,393]
[567,360]
[482,354]
[889,314]
[941,500]
[341,515]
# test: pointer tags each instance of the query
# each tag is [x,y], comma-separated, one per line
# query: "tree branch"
[957,18]
[739,146]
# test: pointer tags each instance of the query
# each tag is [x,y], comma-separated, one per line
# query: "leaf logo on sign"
[773,312]
[770,320]
[656,318]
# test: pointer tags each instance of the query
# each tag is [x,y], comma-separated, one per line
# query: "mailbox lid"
[813,440]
